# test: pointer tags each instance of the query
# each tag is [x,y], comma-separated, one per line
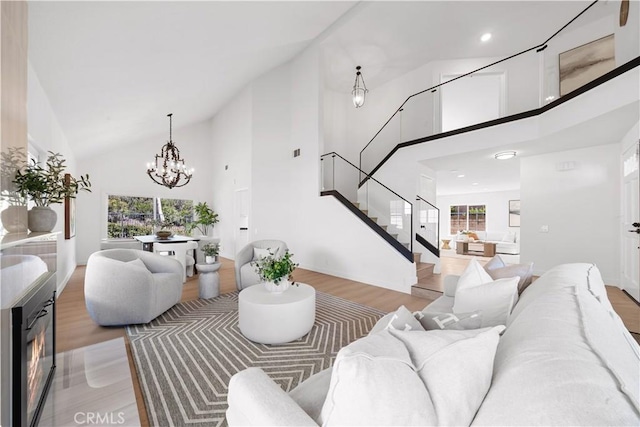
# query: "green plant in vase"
[275,272]
[46,186]
[210,251]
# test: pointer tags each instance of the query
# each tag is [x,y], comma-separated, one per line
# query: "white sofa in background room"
[507,242]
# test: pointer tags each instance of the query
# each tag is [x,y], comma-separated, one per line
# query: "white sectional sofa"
[565,358]
[507,242]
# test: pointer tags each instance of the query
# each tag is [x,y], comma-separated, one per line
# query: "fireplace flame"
[34,373]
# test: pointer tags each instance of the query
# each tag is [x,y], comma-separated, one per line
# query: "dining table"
[149,240]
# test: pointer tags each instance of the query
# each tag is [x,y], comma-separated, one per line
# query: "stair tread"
[429,286]
[421,292]
[424,265]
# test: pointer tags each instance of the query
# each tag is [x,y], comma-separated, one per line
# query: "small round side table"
[208,280]
[445,244]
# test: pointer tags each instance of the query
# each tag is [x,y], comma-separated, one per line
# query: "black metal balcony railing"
[419,116]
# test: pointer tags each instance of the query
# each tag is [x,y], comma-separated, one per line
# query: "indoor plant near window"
[46,186]
[275,272]
[206,218]
[210,251]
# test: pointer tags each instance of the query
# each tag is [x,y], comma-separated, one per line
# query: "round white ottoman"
[269,318]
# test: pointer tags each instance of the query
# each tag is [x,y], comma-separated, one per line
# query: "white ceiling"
[490,174]
[113,70]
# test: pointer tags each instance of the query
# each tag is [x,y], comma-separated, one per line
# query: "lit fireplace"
[34,369]
[33,351]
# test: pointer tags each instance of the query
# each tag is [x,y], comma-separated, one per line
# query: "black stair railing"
[391,213]
[409,122]
[428,234]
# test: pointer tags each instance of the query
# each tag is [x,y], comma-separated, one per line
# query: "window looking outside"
[135,216]
[398,208]
[472,217]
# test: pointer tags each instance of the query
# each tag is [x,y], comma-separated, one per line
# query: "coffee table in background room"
[270,318]
[488,248]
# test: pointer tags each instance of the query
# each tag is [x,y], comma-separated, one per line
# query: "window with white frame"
[468,217]
[129,216]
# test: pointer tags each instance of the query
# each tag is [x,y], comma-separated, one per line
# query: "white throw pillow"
[494,299]
[474,275]
[432,320]
[260,253]
[403,378]
[401,319]
[493,263]
[524,271]
[404,320]
[509,237]
[137,263]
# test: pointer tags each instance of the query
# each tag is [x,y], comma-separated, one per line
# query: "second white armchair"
[245,273]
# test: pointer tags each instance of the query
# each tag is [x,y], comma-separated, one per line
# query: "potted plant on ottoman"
[275,272]
[210,251]
[47,186]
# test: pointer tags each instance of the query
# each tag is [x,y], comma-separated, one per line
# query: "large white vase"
[277,288]
[42,219]
[14,219]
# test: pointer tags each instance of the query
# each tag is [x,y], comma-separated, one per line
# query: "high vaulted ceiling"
[113,70]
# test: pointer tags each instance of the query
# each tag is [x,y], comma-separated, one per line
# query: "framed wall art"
[514,213]
[585,63]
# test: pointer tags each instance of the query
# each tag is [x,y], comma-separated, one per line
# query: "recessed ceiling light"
[474,183]
[461,176]
[485,37]
[505,155]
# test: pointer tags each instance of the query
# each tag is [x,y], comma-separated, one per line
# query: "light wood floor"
[75,328]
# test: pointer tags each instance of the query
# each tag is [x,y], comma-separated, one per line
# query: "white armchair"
[245,273]
[128,286]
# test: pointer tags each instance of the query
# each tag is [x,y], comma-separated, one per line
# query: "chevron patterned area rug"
[186,357]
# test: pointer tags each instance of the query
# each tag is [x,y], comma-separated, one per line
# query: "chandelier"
[359,89]
[168,168]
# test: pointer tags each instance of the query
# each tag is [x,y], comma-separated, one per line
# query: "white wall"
[421,116]
[581,208]
[627,37]
[230,140]
[123,172]
[47,135]
[287,112]
[497,204]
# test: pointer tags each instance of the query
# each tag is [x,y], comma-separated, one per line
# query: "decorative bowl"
[163,234]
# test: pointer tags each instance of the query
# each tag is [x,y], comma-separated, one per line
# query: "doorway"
[630,220]
[241,211]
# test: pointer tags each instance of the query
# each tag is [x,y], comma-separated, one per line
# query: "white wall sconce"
[359,89]
[505,155]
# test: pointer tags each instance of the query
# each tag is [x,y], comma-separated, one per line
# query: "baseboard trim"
[392,286]
[631,298]
[64,281]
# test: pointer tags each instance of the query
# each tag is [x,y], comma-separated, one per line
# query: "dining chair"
[179,251]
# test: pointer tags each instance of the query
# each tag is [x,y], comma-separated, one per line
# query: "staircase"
[385,212]
[424,270]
